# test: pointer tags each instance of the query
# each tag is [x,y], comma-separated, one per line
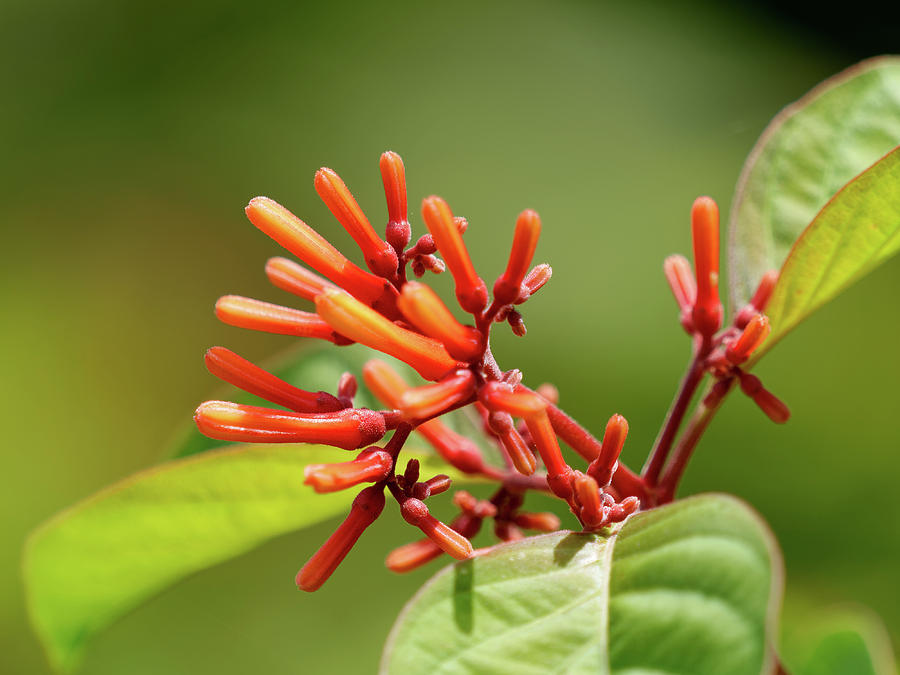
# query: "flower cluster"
[384,310]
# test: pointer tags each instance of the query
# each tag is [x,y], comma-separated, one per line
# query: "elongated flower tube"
[535,280]
[380,256]
[365,510]
[760,299]
[417,553]
[313,249]
[587,492]
[681,280]
[503,398]
[770,404]
[509,285]
[707,311]
[348,429]
[423,402]
[516,449]
[449,540]
[368,327]
[236,310]
[293,278]
[542,522]
[559,474]
[370,465]
[429,314]
[228,366]
[602,468]
[753,335]
[393,175]
[457,450]
[471,290]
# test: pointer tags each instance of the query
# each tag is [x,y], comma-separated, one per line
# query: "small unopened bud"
[509,285]
[770,404]
[507,531]
[393,175]
[542,522]
[707,310]
[517,450]
[760,299]
[535,280]
[601,469]
[370,466]
[549,392]
[515,321]
[411,475]
[587,492]
[622,510]
[349,428]
[347,386]
[684,288]
[365,509]
[558,472]
[749,340]
[415,554]
[438,484]
[471,290]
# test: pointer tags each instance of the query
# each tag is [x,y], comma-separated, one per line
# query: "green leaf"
[840,641]
[806,154]
[99,559]
[856,231]
[687,588]
[317,366]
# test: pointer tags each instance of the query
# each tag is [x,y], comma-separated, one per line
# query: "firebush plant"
[636,582]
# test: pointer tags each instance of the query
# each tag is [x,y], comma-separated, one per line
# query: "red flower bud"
[501,397]
[707,311]
[365,509]
[451,542]
[625,508]
[227,365]
[747,342]
[393,175]
[470,288]
[369,466]
[760,299]
[535,280]
[415,554]
[558,472]
[424,309]
[313,249]
[601,469]
[423,402]
[681,281]
[542,522]
[350,317]
[348,429]
[587,492]
[771,405]
[518,451]
[242,312]
[509,285]
[293,278]
[380,256]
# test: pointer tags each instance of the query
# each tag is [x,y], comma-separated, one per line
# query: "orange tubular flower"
[313,249]
[509,285]
[293,278]
[471,290]
[393,175]
[429,314]
[681,281]
[365,510]
[457,450]
[760,299]
[501,397]
[602,468]
[536,279]
[348,429]
[587,492]
[350,317]
[542,522]
[242,312]
[754,335]
[422,402]
[449,540]
[558,472]
[369,466]
[380,256]
[518,451]
[770,404]
[228,366]
[707,311]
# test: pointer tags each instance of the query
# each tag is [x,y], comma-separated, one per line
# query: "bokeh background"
[134,133]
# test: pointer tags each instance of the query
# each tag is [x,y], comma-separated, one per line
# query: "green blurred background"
[134,133]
